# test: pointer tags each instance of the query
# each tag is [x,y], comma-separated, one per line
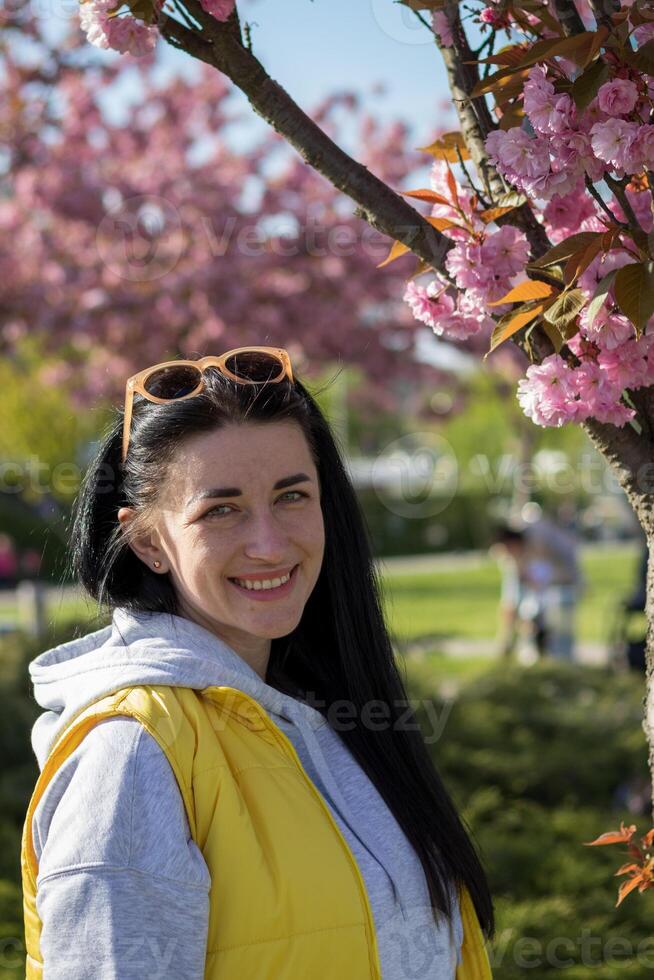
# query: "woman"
[232,783]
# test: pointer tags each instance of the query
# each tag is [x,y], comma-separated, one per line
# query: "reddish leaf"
[529,289]
[398,249]
[622,836]
[625,888]
[423,194]
[493,213]
[510,323]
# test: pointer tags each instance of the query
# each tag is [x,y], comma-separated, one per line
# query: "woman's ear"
[145,546]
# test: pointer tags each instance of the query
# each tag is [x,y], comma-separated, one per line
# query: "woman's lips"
[267,595]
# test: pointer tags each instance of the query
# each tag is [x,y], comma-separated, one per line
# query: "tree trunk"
[648,721]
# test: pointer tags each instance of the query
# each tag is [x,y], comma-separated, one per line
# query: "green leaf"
[600,295]
[643,59]
[513,321]
[514,199]
[554,335]
[566,248]
[565,309]
[586,85]
[634,292]
[142,9]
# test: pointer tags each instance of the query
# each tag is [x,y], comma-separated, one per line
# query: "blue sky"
[315,47]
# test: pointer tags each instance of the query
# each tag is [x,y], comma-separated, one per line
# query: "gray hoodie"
[123,891]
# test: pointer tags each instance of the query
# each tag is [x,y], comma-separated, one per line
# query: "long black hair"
[340,649]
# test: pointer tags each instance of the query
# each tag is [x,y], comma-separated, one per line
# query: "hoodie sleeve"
[122,889]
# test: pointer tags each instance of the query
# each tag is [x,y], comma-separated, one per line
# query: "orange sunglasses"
[177,380]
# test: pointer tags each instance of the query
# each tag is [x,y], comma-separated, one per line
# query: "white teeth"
[265,584]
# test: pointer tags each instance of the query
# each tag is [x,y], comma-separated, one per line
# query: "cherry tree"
[129,238]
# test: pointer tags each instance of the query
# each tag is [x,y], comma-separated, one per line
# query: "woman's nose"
[266,539]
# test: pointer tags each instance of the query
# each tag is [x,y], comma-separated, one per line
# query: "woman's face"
[242,503]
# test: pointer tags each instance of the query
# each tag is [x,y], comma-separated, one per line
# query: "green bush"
[533,756]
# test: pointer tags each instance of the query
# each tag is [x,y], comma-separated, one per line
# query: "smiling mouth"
[269,589]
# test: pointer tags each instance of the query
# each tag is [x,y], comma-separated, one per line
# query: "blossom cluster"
[105,28]
[552,157]
[612,134]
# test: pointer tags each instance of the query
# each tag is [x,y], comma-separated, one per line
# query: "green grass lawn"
[462,602]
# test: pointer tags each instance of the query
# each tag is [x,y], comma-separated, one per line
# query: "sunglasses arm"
[127,423]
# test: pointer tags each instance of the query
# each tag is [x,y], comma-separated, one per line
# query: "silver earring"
[157,564]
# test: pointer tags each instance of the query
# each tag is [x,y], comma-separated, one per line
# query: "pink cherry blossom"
[518,153]
[641,203]
[608,330]
[93,21]
[507,250]
[464,263]
[220,9]
[641,154]
[599,397]
[568,213]
[617,97]
[600,267]
[429,304]
[467,320]
[573,154]
[548,111]
[548,394]
[631,365]
[612,140]
[122,33]
[131,36]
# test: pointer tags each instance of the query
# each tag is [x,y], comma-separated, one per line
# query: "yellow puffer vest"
[287,898]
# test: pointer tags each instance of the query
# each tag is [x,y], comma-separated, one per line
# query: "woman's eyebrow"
[214,492]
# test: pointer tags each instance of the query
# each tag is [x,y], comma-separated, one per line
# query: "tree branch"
[600,200]
[476,123]
[220,45]
[568,15]
[619,192]
[603,10]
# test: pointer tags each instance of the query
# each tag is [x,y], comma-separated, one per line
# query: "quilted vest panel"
[287,899]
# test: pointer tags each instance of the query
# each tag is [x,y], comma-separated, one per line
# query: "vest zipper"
[290,748]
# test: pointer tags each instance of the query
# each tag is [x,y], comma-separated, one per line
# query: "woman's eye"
[298,494]
[214,509]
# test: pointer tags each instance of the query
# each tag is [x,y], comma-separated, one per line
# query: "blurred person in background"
[30,563]
[541,583]
[520,606]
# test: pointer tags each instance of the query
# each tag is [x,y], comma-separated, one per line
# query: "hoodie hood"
[144,648]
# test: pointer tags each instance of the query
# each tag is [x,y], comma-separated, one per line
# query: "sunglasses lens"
[173,382]
[255,366]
